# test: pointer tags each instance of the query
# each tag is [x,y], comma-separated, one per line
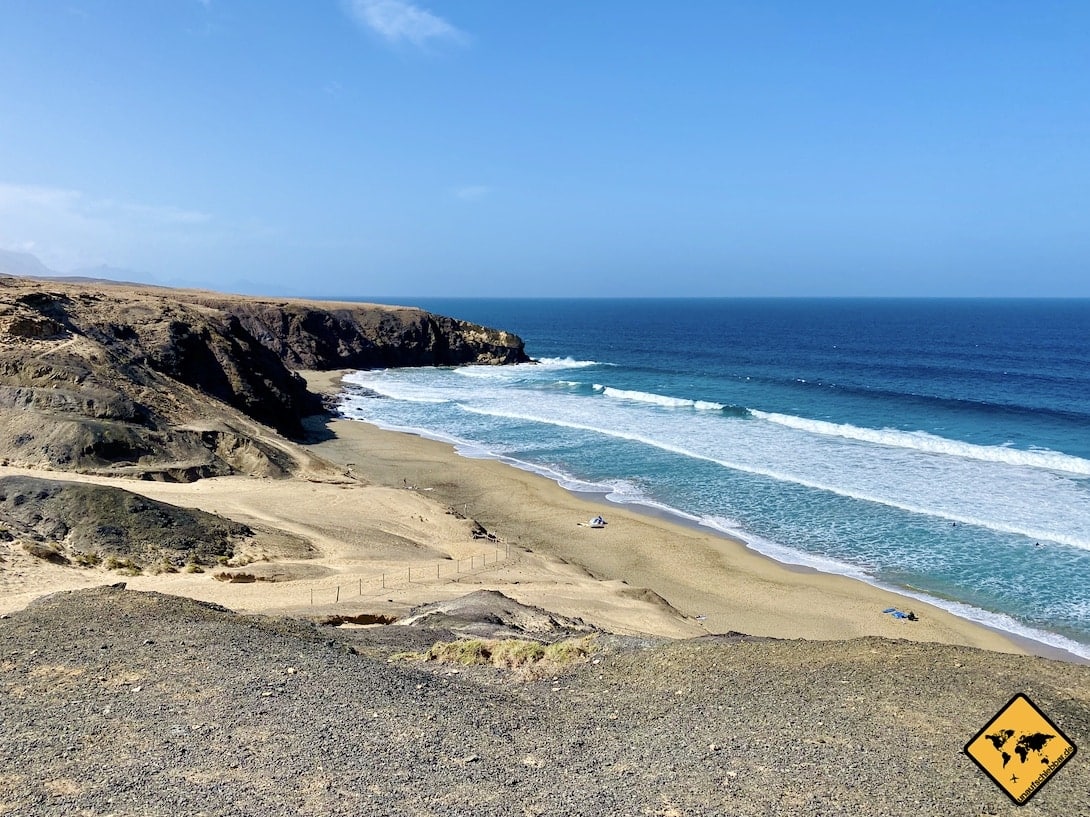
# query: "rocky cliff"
[337,335]
[178,384]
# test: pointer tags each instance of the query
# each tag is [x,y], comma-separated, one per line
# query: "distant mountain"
[26,265]
[104,272]
[23,263]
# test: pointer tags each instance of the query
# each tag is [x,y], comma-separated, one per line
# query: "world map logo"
[1020,749]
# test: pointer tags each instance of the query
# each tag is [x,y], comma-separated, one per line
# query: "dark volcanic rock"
[332,336]
[95,522]
[117,702]
[170,384]
[491,614]
[218,357]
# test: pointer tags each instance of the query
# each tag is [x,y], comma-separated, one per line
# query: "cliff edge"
[180,384]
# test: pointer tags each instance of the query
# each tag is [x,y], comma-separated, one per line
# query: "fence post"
[383,581]
[410,573]
[437,570]
[338,592]
[312,597]
[361,587]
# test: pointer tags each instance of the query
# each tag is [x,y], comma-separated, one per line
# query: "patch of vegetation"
[509,653]
[235,578]
[48,553]
[165,566]
[89,559]
[124,566]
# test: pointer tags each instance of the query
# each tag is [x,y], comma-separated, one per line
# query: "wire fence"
[375,585]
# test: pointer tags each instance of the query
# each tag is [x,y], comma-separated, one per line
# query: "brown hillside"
[178,384]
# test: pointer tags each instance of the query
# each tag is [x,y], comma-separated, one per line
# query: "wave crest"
[658,399]
[922,441]
[564,363]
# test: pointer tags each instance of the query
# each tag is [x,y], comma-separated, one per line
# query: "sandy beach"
[641,572]
[376,523]
[383,531]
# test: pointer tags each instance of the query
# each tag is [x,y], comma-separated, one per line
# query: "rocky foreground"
[125,703]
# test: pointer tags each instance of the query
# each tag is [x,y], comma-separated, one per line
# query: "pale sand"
[366,531]
[699,573]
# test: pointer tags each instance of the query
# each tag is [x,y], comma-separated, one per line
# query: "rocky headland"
[181,384]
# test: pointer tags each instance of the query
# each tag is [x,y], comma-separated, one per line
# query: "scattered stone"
[359,737]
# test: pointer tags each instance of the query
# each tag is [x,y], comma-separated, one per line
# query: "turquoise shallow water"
[938,447]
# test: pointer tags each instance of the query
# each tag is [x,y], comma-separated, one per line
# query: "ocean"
[940,448]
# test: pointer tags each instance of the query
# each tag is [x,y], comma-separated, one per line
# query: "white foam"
[784,554]
[564,363]
[947,493]
[922,441]
[658,399]
[426,433]
[997,621]
[629,493]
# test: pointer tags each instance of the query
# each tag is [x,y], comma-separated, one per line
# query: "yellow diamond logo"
[1020,749]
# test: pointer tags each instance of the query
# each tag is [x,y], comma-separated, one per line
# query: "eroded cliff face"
[176,384]
[338,335]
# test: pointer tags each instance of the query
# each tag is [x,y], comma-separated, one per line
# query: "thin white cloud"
[28,195]
[162,215]
[399,21]
[66,228]
[472,192]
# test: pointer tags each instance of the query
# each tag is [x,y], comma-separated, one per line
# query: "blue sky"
[562,148]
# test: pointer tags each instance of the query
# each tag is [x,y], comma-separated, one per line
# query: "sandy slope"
[375,533]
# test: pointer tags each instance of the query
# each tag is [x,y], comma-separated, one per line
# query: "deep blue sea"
[938,447]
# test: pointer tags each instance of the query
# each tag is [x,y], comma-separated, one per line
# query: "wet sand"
[714,584]
[392,526]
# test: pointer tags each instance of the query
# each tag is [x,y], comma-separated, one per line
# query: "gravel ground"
[125,703]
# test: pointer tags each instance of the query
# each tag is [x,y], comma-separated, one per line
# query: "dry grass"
[235,578]
[510,653]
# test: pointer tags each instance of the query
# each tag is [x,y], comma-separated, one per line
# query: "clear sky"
[560,148]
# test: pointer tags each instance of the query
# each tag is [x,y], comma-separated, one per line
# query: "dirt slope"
[140,704]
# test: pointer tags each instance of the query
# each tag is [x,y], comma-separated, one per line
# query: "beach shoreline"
[705,575]
[378,522]
[1030,646]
